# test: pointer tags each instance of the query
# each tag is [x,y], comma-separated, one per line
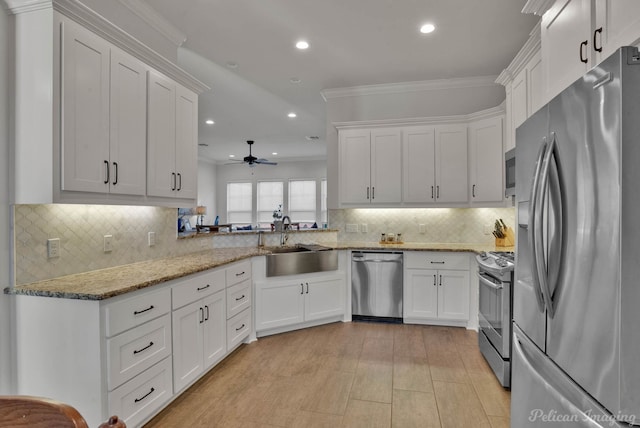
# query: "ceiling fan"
[251,160]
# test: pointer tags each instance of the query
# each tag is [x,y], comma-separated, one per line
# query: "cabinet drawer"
[136,350]
[238,273]
[197,286]
[436,260]
[126,314]
[238,328]
[138,399]
[238,298]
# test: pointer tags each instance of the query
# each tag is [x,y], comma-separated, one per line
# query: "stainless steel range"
[495,276]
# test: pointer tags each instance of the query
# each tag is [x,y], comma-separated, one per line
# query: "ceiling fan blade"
[265,162]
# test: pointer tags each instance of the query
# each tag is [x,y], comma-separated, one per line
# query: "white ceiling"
[353,43]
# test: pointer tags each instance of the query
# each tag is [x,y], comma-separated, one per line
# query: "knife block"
[508,241]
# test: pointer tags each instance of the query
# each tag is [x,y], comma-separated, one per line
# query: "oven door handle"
[488,283]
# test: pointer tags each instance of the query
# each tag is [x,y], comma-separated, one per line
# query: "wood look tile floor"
[350,375]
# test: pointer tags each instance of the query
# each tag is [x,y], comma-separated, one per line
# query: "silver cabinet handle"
[373,192]
[115,170]
[434,280]
[106,180]
[173,178]
[179,182]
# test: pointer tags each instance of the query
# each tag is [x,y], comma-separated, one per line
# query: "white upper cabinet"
[85,106]
[435,164]
[128,118]
[104,98]
[451,164]
[578,34]
[486,160]
[370,166]
[87,91]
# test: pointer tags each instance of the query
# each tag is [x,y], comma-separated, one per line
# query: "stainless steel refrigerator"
[576,347]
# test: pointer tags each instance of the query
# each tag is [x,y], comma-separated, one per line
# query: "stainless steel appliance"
[376,285]
[576,344]
[495,279]
[510,173]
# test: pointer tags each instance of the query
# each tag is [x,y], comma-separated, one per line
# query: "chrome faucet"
[285,227]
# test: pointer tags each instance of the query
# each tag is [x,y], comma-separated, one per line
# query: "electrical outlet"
[364,228]
[422,228]
[53,248]
[487,229]
[151,238]
[352,228]
[108,243]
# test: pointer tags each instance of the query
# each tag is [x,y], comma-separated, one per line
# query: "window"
[270,196]
[302,201]
[239,203]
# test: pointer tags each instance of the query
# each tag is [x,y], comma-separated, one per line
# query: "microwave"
[510,173]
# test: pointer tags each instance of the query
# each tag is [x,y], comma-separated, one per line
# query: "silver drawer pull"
[240,328]
[240,298]
[137,400]
[143,311]
[203,288]
[140,350]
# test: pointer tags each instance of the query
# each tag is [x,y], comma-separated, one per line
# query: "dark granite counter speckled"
[105,283]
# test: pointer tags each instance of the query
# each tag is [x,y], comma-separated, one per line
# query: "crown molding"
[156,21]
[96,23]
[405,87]
[15,7]
[434,120]
[528,50]
[537,7]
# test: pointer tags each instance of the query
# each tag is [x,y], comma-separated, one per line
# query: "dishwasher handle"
[377,261]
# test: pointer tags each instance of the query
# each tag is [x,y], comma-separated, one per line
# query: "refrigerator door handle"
[539,240]
[531,226]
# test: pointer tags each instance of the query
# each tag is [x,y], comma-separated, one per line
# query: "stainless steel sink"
[301,259]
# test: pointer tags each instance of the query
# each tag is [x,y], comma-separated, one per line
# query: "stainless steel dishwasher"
[376,285]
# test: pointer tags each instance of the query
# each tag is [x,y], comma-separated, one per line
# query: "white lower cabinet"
[436,288]
[291,301]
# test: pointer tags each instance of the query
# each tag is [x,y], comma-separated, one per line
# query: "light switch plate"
[352,228]
[108,243]
[364,228]
[53,248]
[151,238]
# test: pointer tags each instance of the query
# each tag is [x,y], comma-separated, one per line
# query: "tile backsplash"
[441,225]
[81,229]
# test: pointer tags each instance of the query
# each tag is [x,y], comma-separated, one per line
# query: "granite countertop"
[105,283]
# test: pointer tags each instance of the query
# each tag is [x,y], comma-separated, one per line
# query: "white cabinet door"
[617,23]
[420,293]
[519,99]
[486,160]
[453,295]
[128,124]
[85,110]
[161,136]
[566,43]
[451,164]
[418,168]
[324,298]
[186,151]
[279,304]
[355,166]
[386,166]
[188,361]
[215,328]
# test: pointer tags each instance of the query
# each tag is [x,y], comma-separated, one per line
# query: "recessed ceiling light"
[427,28]
[209,122]
[232,156]
[292,115]
[295,80]
[274,153]
[232,65]
[302,44]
